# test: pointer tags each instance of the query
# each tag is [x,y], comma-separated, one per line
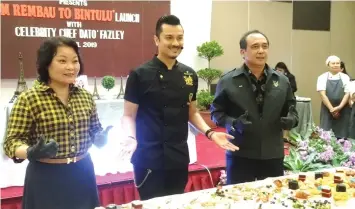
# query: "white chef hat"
[331,58]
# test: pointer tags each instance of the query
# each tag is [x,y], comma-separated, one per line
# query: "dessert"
[302,195]
[302,177]
[137,204]
[337,179]
[278,183]
[340,188]
[326,191]
[350,173]
[339,171]
[293,184]
[318,175]
[326,174]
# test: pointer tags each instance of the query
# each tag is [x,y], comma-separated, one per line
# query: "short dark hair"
[48,50]
[243,41]
[166,19]
[283,66]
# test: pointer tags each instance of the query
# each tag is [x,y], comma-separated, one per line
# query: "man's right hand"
[42,149]
[241,122]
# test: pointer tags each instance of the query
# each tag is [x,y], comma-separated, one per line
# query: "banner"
[114,36]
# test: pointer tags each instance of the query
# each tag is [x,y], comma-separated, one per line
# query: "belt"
[63,160]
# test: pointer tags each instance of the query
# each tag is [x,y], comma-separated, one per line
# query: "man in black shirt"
[160,100]
[254,103]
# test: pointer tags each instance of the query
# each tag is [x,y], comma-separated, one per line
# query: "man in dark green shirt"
[254,103]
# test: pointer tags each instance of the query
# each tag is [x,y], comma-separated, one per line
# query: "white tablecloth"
[197,197]
[105,159]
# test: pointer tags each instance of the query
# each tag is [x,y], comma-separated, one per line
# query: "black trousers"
[158,183]
[241,170]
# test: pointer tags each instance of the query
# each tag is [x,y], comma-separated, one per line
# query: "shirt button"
[164,87]
[182,87]
[183,105]
[165,106]
[165,124]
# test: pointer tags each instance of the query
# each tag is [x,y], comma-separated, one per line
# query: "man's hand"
[222,140]
[127,148]
[42,149]
[288,122]
[241,122]
[102,138]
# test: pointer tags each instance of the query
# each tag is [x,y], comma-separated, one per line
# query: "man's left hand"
[222,140]
[288,122]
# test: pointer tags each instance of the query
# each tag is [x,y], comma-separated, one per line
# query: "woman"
[53,125]
[343,68]
[282,68]
[333,89]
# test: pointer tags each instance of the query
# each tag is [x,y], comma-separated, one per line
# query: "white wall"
[197,26]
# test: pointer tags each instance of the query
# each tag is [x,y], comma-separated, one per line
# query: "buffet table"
[318,190]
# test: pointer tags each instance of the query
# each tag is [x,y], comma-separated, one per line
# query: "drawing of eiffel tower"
[121,89]
[21,83]
[96,92]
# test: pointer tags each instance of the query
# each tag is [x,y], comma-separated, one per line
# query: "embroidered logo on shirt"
[188,79]
[276,83]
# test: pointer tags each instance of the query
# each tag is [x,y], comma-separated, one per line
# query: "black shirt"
[162,119]
[258,87]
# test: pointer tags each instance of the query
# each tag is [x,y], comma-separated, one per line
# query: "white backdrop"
[108,159]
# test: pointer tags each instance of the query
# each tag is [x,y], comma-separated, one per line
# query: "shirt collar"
[244,69]
[158,62]
[44,87]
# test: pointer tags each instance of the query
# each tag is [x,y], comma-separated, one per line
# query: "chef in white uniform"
[333,87]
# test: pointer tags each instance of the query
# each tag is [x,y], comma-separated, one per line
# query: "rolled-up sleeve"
[95,125]
[19,126]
